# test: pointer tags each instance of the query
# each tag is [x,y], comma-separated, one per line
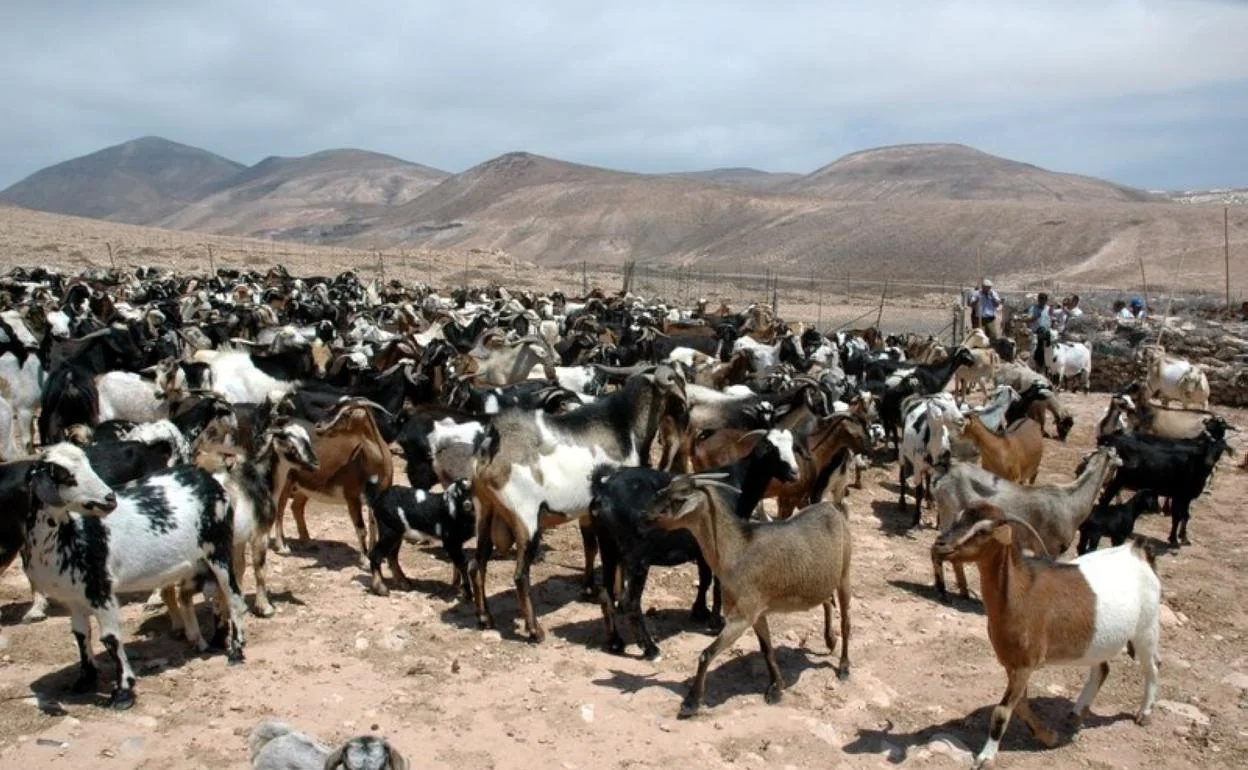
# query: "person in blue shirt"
[987,304]
[1040,315]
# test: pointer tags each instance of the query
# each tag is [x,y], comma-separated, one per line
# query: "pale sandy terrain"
[337,661]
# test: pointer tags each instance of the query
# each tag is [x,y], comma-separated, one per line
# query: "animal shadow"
[894,522]
[744,675]
[926,591]
[972,731]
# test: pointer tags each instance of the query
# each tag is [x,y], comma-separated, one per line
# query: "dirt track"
[338,661]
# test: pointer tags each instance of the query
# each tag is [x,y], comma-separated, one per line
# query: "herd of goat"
[176,416]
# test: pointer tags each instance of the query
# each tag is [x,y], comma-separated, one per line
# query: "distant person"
[1137,309]
[986,304]
[1040,315]
[1121,311]
[1072,306]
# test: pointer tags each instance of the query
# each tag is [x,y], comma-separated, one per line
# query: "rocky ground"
[338,661]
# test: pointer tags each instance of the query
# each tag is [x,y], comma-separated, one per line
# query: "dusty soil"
[338,661]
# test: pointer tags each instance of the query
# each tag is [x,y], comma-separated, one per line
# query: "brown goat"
[1014,456]
[783,566]
[351,451]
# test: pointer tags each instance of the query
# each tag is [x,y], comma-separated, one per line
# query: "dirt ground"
[338,661]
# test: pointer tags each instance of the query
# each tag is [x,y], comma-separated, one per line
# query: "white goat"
[1173,378]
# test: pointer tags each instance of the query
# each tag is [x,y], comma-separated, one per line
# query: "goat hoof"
[615,646]
[716,623]
[652,654]
[1047,738]
[34,616]
[774,695]
[1143,719]
[589,594]
[85,683]
[537,635]
[485,624]
[121,699]
[1185,541]
[235,657]
[380,589]
[688,709]
[264,610]
[843,674]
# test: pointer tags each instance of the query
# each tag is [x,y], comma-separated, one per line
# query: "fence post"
[212,263]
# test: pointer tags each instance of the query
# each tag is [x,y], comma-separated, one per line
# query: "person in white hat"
[987,303]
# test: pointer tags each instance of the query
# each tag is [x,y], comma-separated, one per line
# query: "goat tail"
[598,478]
[265,732]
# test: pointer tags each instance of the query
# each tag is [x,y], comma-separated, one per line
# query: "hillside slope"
[138,181]
[279,196]
[951,172]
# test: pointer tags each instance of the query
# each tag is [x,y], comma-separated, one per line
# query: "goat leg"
[1082,707]
[122,697]
[631,600]
[775,691]
[355,510]
[455,550]
[1015,691]
[526,549]
[589,541]
[259,555]
[477,568]
[842,600]
[733,628]
[88,675]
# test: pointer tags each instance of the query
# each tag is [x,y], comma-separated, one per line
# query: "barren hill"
[138,181]
[748,178]
[290,196]
[951,172]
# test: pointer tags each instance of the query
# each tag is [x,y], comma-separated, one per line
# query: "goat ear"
[42,486]
[334,761]
[397,762]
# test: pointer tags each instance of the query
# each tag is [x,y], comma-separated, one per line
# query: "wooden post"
[111,261]
[1143,278]
[381,267]
[212,263]
[880,314]
[1226,250]
[584,279]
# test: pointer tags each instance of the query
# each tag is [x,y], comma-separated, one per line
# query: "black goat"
[1116,522]
[618,508]
[406,513]
[1174,468]
[924,380]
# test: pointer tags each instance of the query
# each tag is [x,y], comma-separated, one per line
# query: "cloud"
[648,86]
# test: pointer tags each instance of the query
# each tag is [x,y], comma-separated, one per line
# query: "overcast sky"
[1149,93]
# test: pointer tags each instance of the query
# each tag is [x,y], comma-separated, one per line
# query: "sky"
[1148,93]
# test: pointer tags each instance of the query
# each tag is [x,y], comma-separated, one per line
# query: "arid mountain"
[139,181]
[951,172]
[748,178]
[282,197]
[915,212]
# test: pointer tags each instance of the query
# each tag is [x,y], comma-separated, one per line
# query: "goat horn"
[1016,520]
[755,432]
[366,403]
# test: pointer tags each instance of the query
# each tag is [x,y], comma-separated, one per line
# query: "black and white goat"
[403,513]
[85,544]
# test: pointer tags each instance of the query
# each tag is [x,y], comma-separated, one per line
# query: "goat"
[404,513]
[1174,468]
[1014,455]
[1151,420]
[274,746]
[1064,359]
[1038,403]
[1042,613]
[85,544]
[629,547]
[1170,378]
[128,396]
[1054,511]
[924,379]
[780,566]
[21,375]
[1115,521]
[930,424]
[253,485]
[351,453]
[993,414]
[533,467]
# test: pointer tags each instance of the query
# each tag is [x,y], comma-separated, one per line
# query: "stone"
[1184,710]
[361,644]
[587,713]
[491,635]
[1169,618]
[949,746]
[132,746]
[1236,679]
